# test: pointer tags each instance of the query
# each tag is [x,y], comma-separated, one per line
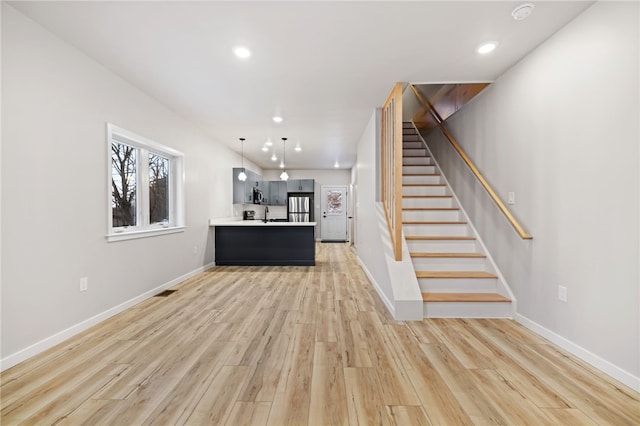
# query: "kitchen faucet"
[266,210]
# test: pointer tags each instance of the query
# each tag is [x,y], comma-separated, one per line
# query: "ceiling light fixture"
[274,157]
[268,142]
[284,175]
[277,119]
[523,11]
[242,176]
[487,47]
[265,148]
[336,165]
[298,148]
[241,52]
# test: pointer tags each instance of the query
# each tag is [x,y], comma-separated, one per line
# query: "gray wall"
[561,130]
[55,103]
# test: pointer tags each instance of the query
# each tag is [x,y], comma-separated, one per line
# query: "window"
[145,187]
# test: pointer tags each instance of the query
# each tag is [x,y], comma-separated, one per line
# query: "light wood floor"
[304,345]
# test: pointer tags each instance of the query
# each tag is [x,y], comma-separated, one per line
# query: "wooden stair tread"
[424,184]
[454,274]
[430,208]
[427,196]
[439,238]
[445,255]
[464,297]
[435,222]
[421,174]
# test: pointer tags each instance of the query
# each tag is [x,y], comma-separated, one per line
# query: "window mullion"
[143,190]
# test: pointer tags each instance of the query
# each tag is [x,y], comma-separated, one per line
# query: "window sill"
[143,233]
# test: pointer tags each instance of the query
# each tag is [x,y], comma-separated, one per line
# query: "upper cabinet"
[243,191]
[300,185]
[277,193]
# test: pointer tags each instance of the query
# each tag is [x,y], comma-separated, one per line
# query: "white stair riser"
[411,137]
[446,246]
[430,285]
[431,215]
[425,190]
[427,202]
[448,263]
[421,179]
[467,310]
[412,143]
[413,152]
[415,160]
[430,230]
[416,170]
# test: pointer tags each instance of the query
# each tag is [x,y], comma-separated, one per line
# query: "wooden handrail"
[391,140]
[523,234]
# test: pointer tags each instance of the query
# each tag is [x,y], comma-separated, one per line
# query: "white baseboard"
[384,298]
[589,357]
[51,341]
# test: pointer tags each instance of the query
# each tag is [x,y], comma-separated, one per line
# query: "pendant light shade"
[242,176]
[284,175]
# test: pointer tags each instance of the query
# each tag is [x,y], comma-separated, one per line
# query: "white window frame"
[143,147]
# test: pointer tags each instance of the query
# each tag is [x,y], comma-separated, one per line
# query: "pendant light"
[284,175]
[242,176]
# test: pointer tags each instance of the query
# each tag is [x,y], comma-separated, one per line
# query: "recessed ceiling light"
[336,165]
[522,11]
[265,148]
[241,52]
[487,47]
[268,142]
[281,165]
[274,158]
[298,148]
[277,119]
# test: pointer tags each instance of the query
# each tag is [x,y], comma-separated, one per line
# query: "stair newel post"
[392,166]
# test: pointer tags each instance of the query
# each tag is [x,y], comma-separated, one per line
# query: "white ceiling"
[324,66]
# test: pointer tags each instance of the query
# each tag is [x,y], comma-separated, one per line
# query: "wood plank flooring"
[304,345]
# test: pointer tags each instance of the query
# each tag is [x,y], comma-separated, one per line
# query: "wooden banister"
[392,166]
[516,225]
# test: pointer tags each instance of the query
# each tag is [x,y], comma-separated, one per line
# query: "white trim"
[51,341]
[384,298]
[601,364]
[144,233]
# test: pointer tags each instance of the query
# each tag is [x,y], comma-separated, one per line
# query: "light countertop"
[260,223]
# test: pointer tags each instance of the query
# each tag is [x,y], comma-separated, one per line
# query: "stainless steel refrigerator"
[300,207]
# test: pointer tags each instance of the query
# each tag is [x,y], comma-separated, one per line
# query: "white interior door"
[334,213]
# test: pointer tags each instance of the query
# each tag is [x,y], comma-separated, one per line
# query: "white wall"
[369,246]
[55,103]
[561,130]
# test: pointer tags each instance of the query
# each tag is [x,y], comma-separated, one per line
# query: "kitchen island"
[254,242]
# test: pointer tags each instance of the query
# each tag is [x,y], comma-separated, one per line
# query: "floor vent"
[165,293]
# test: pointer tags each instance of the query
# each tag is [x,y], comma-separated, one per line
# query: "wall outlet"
[562,293]
[84,283]
[511,199]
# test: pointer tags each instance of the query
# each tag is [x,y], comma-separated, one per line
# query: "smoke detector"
[523,11]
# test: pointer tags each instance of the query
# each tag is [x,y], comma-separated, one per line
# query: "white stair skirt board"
[467,309]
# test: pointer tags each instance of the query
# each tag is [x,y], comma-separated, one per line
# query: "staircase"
[455,276]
